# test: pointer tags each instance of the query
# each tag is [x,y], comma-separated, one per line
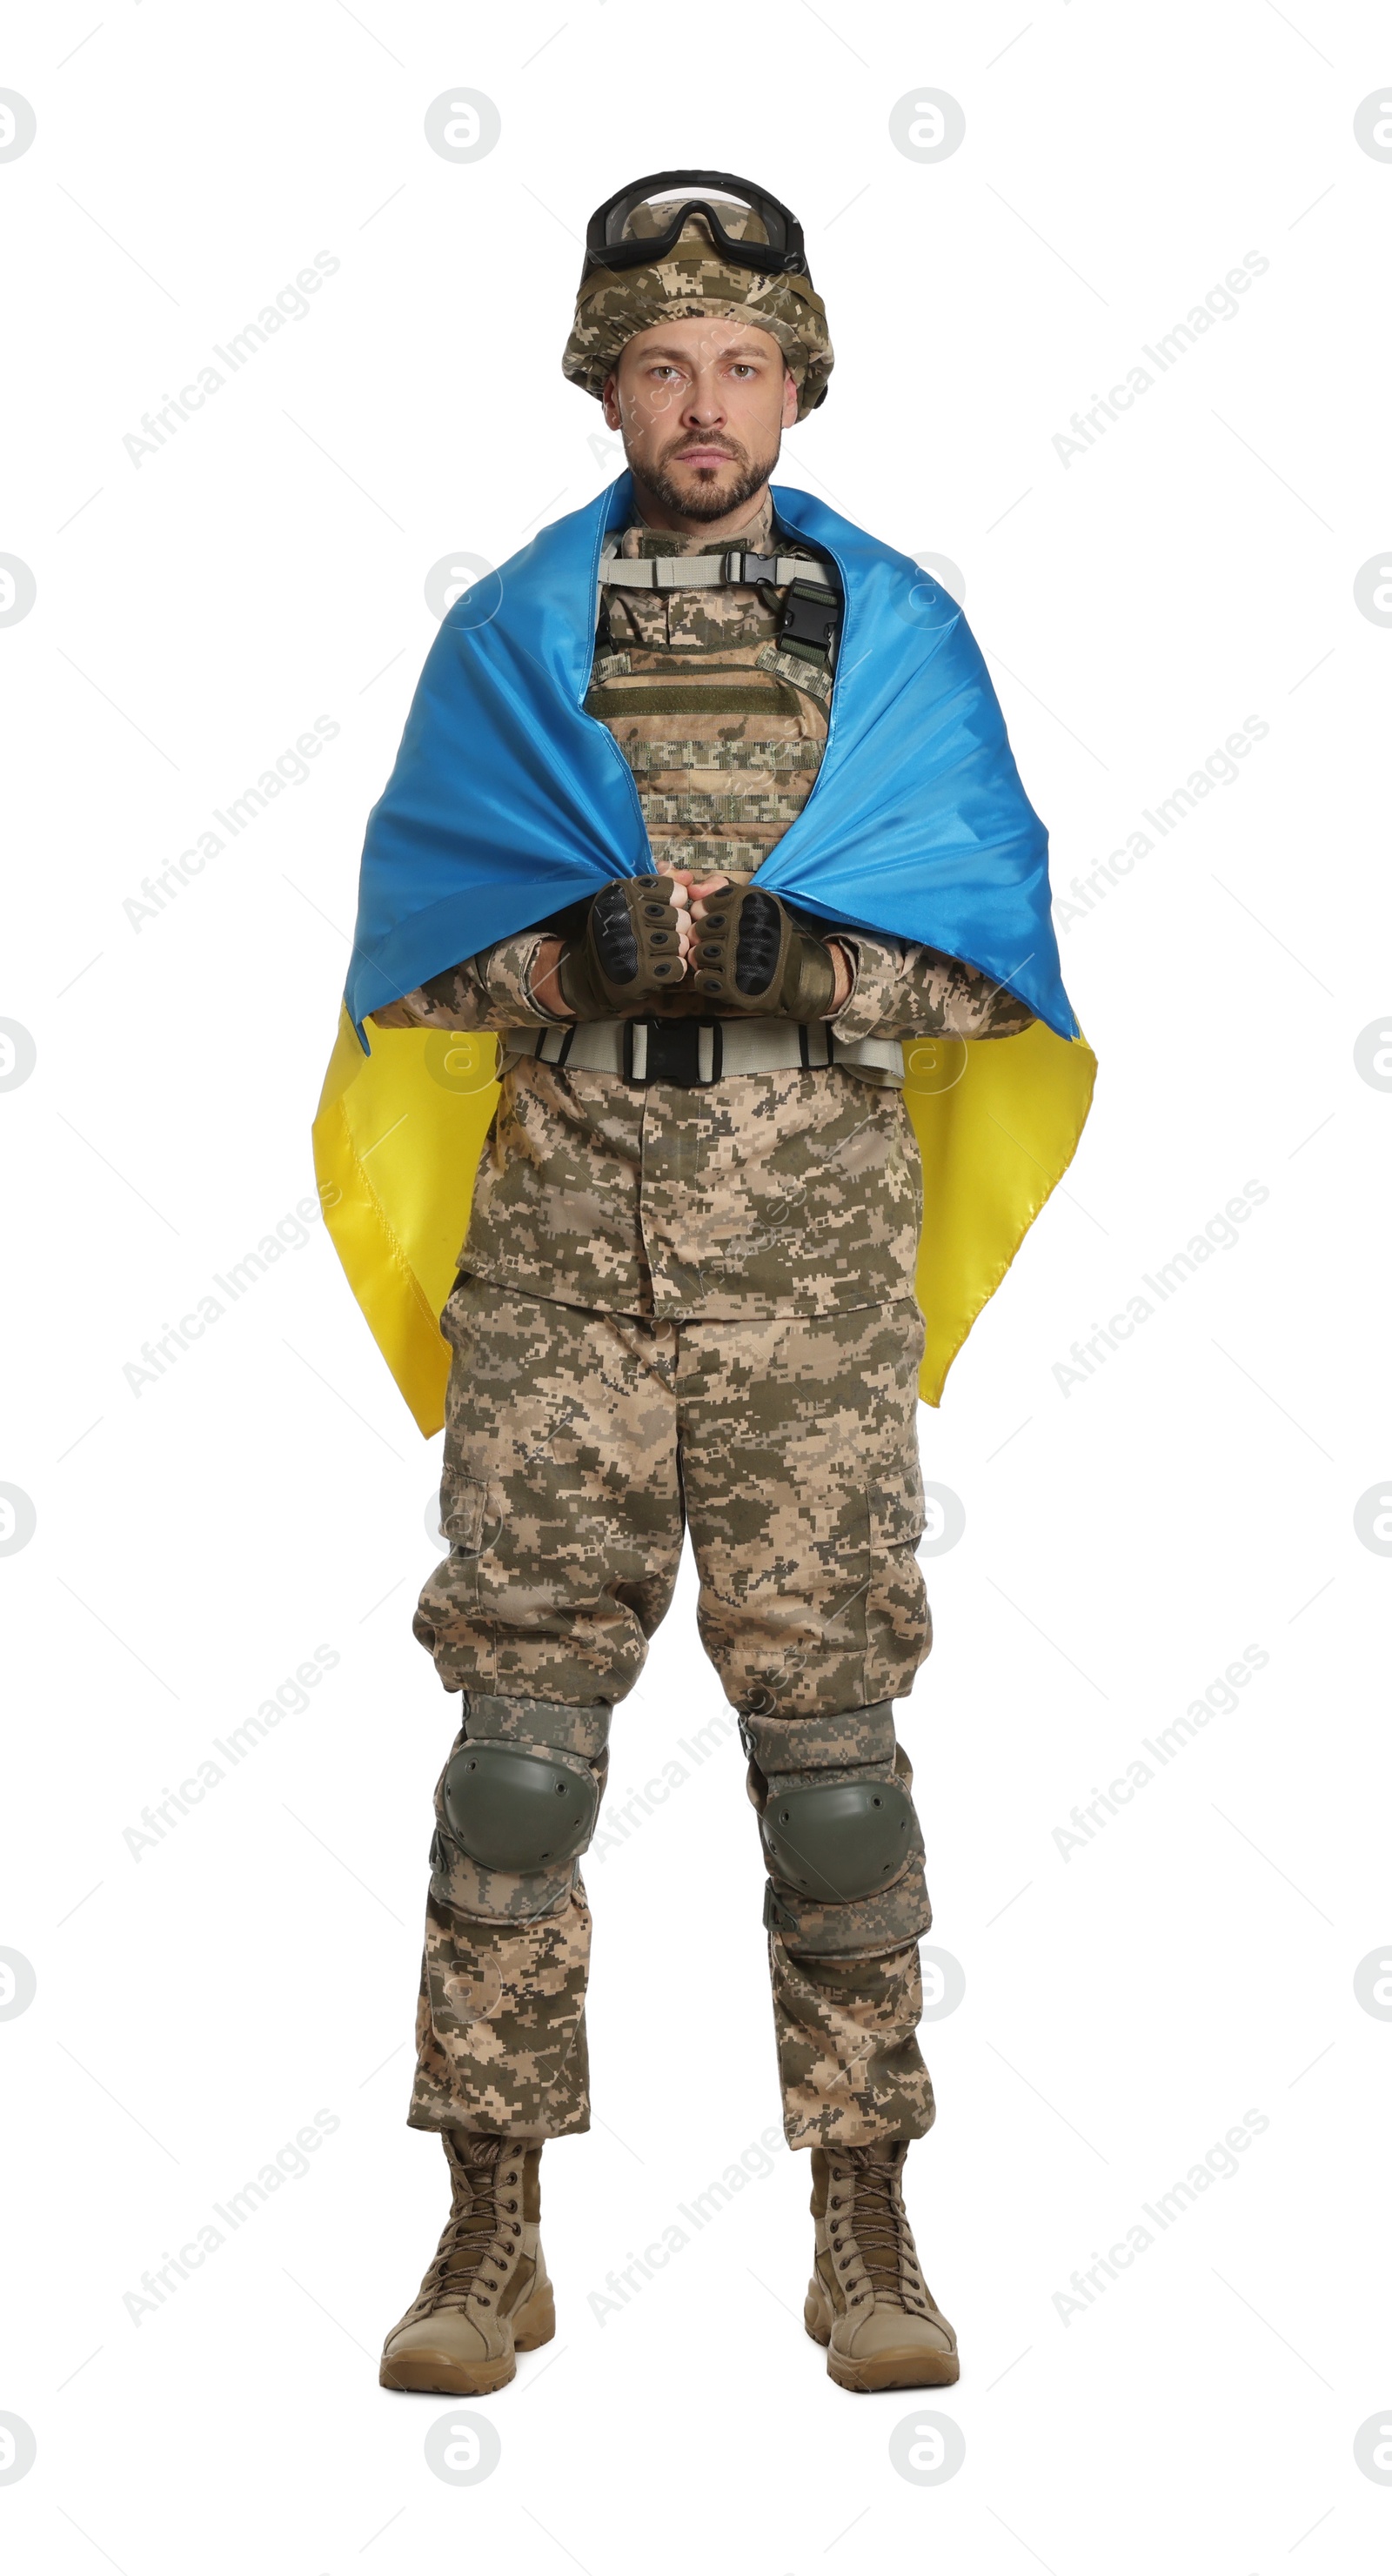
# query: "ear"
[791,398]
[609,400]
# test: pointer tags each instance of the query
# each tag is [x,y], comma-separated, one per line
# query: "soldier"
[686,1302]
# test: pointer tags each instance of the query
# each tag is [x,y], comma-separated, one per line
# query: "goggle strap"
[784,258]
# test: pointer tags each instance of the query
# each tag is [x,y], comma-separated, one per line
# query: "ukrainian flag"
[508,802]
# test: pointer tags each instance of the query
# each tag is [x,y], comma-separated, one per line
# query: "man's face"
[701,406]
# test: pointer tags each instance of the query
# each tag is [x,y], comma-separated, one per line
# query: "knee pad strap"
[785,1746]
[552,1723]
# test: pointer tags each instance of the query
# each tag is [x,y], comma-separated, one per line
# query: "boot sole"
[434,2374]
[910,2367]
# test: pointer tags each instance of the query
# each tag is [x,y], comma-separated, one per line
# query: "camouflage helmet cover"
[692,281]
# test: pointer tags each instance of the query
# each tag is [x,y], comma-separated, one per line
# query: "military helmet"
[683,244]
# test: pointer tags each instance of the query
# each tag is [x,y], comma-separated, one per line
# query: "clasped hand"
[703,943]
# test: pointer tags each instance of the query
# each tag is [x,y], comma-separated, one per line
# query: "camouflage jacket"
[770,1193]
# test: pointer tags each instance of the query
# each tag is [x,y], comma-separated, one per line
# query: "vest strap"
[710,572]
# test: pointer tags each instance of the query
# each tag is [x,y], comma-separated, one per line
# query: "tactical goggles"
[645,221]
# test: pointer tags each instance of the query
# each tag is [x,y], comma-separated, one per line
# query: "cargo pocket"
[452,1618]
[898,1623]
[463,1512]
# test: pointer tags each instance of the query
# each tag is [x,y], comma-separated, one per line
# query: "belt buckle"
[670,1051]
[746,568]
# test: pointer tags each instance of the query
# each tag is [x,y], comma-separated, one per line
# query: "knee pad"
[837,1840]
[840,1832]
[519,1807]
[521,1793]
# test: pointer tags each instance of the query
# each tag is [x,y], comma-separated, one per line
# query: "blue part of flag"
[508,802]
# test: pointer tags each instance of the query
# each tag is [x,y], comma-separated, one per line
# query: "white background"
[1126,1539]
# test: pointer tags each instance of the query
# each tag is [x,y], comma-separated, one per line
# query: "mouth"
[703,456]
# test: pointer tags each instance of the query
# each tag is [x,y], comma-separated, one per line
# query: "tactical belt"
[695,1053]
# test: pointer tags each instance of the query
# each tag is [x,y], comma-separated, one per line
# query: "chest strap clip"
[808,621]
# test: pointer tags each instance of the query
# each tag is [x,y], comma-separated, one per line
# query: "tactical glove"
[630,954]
[751,957]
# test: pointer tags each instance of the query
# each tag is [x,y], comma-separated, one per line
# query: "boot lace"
[872,2209]
[477,2240]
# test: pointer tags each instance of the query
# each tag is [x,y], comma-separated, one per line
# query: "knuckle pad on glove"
[615,943]
[634,939]
[742,947]
[759,947]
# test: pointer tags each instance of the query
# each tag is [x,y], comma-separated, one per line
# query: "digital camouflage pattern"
[849,2064]
[724,735]
[490,991]
[500,2022]
[562,1501]
[562,1496]
[849,1744]
[772,1193]
[692,282]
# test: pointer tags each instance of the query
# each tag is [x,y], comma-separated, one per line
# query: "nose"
[704,407]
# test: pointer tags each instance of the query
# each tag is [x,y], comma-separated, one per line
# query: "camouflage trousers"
[578,1449]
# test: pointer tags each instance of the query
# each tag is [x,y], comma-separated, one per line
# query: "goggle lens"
[652,218]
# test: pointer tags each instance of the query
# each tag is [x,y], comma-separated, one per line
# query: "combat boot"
[486,2296]
[867,2300]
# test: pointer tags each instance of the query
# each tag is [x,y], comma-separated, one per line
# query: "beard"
[705,494]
